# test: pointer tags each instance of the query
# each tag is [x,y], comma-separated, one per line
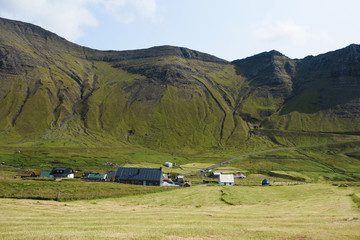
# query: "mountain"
[166,97]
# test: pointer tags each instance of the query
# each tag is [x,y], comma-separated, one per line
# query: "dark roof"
[143,174]
[111,174]
[61,171]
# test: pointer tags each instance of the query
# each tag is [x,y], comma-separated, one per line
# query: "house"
[97,177]
[45,174]
[62,173]
[226,179]
[140,176]
[111,176]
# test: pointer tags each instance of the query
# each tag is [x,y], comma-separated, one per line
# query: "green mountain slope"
[167,97]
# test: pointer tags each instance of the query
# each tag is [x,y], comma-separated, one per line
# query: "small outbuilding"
[226,179]
[62,173]
[140,176]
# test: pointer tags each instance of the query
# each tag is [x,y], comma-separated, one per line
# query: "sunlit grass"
[283,212]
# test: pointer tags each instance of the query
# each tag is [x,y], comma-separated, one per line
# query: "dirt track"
[249,154]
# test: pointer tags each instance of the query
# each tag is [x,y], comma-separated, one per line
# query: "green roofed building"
[45,174]
[97,177]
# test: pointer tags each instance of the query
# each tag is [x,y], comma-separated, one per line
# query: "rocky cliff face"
[167,96]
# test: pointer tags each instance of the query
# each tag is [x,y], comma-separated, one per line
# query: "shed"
[226,179]
[140,176]
[62,173]
[97,177]
[45,174]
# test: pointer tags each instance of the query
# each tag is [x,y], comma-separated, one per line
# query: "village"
[140,176]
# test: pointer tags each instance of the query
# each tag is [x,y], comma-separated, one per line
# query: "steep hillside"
[159,97]
[166,97]
[326,94]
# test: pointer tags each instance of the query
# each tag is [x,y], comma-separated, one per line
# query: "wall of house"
[140,182]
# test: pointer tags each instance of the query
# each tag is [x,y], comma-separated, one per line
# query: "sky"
[229,29]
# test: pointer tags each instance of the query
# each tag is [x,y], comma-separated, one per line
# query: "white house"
[226,179]
[62,173]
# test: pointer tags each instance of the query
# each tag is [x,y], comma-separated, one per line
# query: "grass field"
[48,189]
[309,211]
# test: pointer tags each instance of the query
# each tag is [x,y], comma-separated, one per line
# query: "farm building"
[226,179]
[62,173]
[45,174]
[96,177]
[111,175]
[140,176]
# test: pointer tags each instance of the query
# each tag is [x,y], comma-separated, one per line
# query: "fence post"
[58,196]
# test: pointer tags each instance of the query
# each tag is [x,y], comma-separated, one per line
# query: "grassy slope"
[285,212]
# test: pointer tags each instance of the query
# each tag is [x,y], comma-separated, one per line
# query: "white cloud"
[68,17]
[288,31]
[128,11]
[65,17]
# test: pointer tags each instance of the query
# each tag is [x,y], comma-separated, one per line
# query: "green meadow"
[307,211]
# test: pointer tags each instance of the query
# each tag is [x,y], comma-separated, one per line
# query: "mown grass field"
[48,189]
[309,211]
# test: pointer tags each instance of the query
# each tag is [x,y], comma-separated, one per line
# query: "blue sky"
[229,29]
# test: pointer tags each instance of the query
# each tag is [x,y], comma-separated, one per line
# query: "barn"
[140,176]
